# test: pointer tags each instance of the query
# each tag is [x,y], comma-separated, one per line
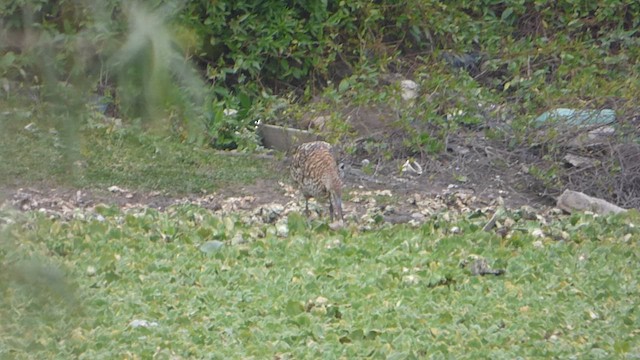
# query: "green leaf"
[211,246]
[7,59]
[343,86]
[293,308]
[506,14]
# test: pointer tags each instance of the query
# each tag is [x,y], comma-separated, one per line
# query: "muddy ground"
[472,173]
[461,179]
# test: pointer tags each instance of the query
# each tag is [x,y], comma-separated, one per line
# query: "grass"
[71,289]
[98,155]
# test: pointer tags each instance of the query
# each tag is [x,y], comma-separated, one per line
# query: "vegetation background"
[490,66]
[96,93]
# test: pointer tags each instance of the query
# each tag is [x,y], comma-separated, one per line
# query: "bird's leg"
[330,210]
[306,206]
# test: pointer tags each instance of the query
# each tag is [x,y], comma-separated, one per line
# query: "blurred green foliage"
[178,65]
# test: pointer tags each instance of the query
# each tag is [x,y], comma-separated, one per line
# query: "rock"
[385,192]
[238,239]
[481,267]
[418,216]
[409,89]
[115,189]
[318,305]
[509,222]
[571,201]
[282,229]
[397,218]
[537,233]
[91,271]
[283,138]
[271,212]
[580,161]
[460,150]
[596,137]
[229,112]
[527,212]
[142,323]
[233,204]
[388,209]
[321,301]
[410,279]
[318,123]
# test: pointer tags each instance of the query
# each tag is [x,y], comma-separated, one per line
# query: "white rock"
[115,189]
[383,192]
[417,216]
[282,230]
[91,270]
[537,233]
[409,89]
[410,279]
[571,201]
[142,323]
[321,301]
[509,222]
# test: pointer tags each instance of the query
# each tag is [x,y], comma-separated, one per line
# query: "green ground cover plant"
[190,284]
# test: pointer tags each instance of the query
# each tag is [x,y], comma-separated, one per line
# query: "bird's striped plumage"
[314,169]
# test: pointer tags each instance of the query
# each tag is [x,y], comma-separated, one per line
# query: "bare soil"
[452,180]
[470,174]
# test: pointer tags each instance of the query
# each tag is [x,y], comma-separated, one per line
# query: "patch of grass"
[98,157]
[398,292]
